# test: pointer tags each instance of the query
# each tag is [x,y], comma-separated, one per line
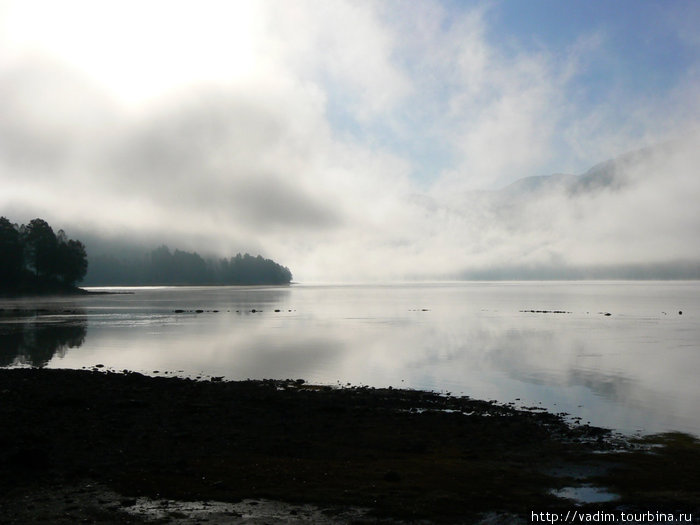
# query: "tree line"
[33,258]
[164,267]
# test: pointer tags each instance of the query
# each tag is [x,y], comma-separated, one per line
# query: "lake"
[544,344]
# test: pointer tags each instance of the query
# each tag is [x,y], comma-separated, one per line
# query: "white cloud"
[227,142]
[345,45]
[139,50]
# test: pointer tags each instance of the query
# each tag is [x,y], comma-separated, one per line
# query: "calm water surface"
[636,369]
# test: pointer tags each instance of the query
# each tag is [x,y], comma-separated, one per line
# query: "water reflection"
[33,337]
[632,370]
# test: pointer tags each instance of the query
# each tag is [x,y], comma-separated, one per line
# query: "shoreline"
[402,454]
[49,292]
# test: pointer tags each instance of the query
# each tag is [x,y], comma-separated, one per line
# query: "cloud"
[346,46]
[346,140]
[50,112]
[226,152]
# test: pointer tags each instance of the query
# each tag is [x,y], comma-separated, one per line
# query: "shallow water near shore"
[550,345]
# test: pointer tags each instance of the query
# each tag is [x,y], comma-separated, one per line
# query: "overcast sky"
[353,140]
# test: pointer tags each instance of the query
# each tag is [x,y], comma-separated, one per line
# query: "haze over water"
[635,369]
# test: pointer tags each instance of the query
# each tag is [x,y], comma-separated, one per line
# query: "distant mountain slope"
[541,183]
[610,174]
[634,216]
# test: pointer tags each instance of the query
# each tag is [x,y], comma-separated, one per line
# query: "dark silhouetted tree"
[40,245]
[11,252]
[71,260]
[33,259]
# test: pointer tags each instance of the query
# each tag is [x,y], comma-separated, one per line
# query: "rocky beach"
[85,445]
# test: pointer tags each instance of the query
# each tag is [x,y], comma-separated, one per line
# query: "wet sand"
[88,446]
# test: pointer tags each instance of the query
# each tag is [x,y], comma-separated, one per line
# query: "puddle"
[586,494]
[579,472]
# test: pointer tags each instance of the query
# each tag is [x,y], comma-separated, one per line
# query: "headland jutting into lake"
[402,454]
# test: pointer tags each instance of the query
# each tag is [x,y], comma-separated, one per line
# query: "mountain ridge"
[607,174]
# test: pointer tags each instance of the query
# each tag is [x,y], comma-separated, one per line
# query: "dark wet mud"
[128,442]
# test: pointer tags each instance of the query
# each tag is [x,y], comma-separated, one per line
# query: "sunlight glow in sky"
[315,131]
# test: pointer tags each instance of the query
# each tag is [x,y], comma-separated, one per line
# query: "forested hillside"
[163,267]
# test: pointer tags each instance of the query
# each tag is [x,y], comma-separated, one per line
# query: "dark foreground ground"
[84,446]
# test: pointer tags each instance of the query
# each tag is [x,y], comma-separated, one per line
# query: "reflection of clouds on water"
[610,361]
[615,387]
[633,374]
[635,369]
[33,337]
[237,346]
